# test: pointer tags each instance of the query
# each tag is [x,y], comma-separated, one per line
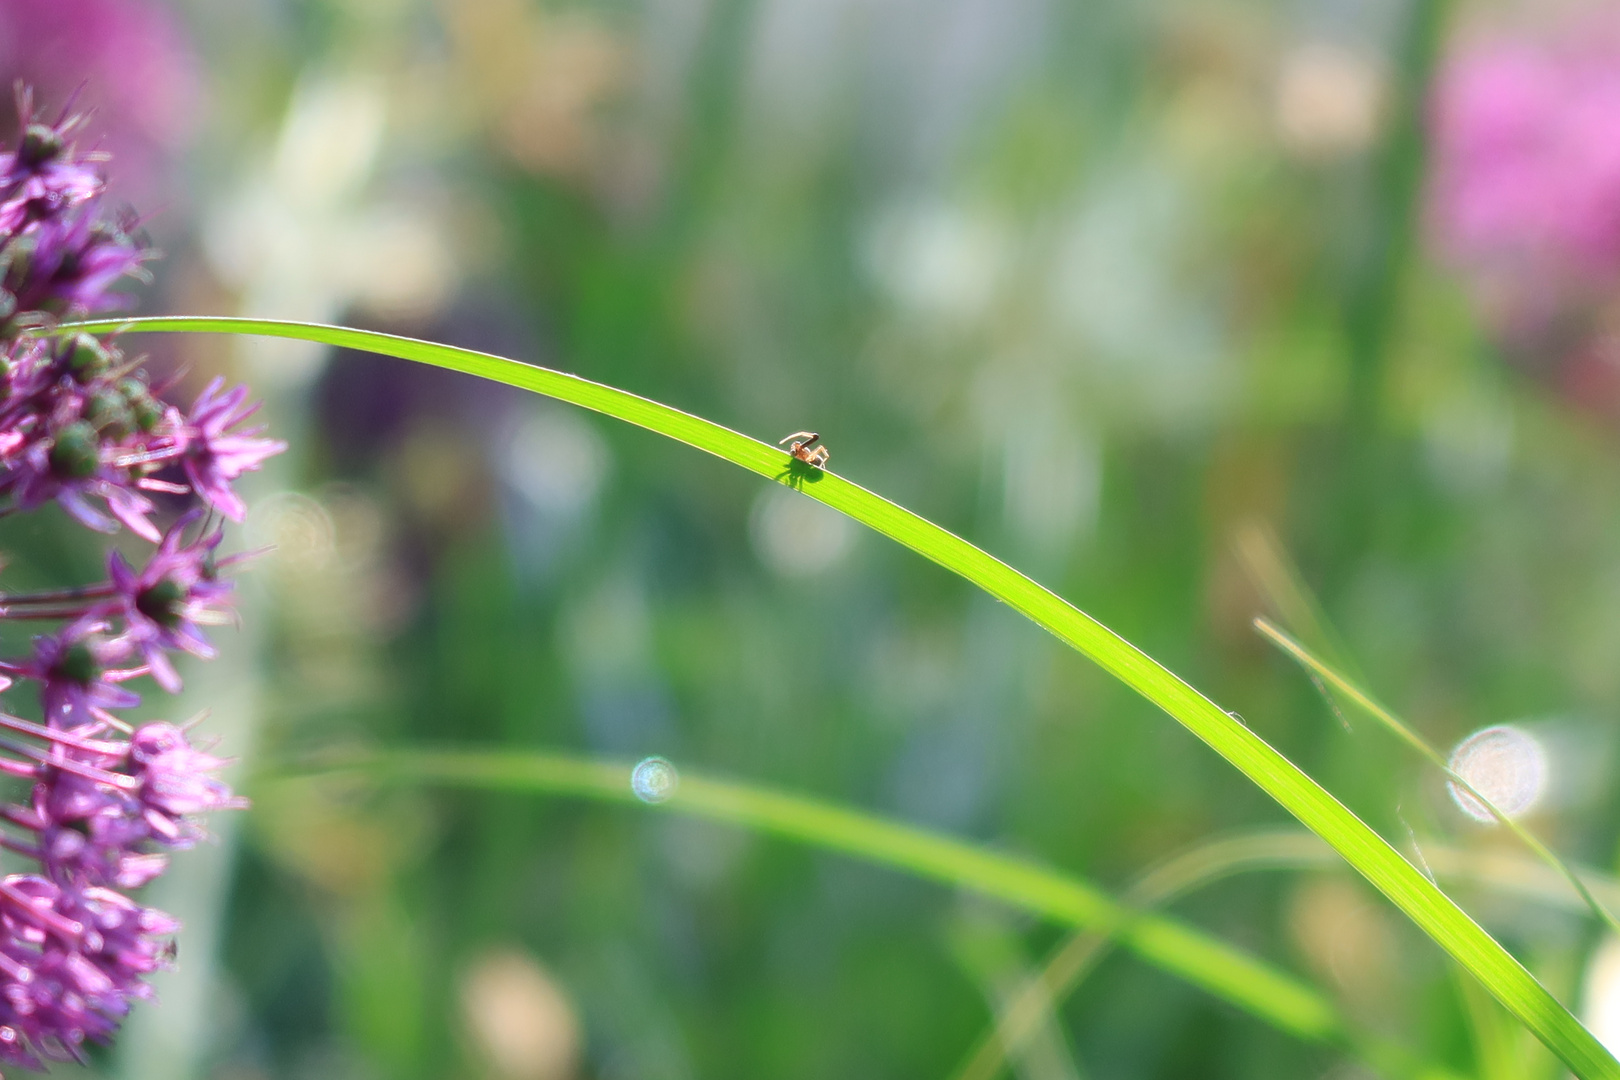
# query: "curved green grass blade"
[1224,971]
[1372,856]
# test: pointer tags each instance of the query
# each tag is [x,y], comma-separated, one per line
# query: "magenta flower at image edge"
[80,426]
[1526,136]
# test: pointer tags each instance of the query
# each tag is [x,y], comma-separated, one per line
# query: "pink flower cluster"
[1526,145]
[81,426]
[106,802]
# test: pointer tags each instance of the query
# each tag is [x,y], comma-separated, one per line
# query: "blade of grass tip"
[1216,967]
[1270,568]
[1373,857]
[1194,867]
[1367,704]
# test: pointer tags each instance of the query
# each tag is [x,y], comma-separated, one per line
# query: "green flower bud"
[40,143]
[146,410]
[77,452]
[110,413]
[87,358]
[161,603]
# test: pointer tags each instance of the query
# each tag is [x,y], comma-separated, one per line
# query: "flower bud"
[87,358]
[161,602]
[77,452]
[110,414]
[78,663]
[148,414]
[40,143]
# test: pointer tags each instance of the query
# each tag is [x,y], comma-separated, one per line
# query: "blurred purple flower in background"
[128,61]
[1524,193]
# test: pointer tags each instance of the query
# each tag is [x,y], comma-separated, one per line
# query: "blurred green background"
[1115,290]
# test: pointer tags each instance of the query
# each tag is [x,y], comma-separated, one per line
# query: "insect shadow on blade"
[807,459]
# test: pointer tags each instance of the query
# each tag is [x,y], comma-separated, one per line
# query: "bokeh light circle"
[654,780]
[1506,765]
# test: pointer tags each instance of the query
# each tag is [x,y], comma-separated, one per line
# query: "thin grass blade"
[1177,948]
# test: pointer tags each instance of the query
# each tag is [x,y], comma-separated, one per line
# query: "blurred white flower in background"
[1329,100]
[1346,936]
[519,1018]
[1051,461]
[306,238]
[1148,338]
[939,259]
[796,536]
[554,459]
[295,531]
[1600,994]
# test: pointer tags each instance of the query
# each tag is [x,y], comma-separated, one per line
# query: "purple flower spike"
[74,951]
[133,941]
[59,257]
[73,961]
[162,605]
[44,194]
[100,806]
[81,426]
[215,455]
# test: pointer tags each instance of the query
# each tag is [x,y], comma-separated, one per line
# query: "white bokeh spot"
[1505,765]
[654,780]
[796,536]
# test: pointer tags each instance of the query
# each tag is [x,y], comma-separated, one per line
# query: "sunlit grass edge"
[1422,901]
